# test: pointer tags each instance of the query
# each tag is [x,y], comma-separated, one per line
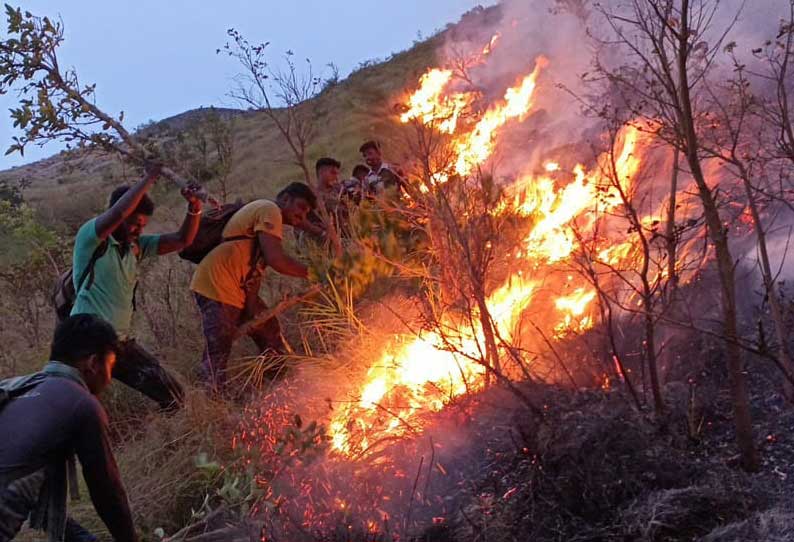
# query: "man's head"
[327,170]
[295,201]
[360,172]
[132,227]
[371,153]
[89,344]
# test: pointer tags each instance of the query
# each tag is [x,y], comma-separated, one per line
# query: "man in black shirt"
[46,419]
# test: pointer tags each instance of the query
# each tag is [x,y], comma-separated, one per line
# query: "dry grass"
[156,453]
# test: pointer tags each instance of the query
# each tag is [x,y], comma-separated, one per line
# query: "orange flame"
[430,105]
[422,374]
[478,146]
[418,374]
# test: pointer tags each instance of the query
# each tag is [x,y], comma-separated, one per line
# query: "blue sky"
[154,58]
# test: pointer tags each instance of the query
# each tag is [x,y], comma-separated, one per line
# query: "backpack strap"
[254,251]
[11,388]
[88,272]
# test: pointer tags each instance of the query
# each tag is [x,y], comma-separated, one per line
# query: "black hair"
[81,336]
[327,162]
[371,144]
[145,206]
[299,190]
[359,169]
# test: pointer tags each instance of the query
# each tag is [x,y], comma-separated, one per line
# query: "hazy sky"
[154,58]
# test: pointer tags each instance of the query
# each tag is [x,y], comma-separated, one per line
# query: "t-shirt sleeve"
[101,472]
[149,244]
[268,220]
[85,243]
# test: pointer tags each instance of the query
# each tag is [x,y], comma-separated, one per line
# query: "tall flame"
[479,145]
[418,374]
[428,104]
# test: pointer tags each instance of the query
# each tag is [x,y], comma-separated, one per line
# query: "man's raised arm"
[107,222]
[172,242]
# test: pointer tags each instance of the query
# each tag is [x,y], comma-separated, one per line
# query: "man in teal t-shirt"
[109,288]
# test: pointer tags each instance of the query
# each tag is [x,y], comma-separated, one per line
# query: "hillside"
[70,186]
[537,343]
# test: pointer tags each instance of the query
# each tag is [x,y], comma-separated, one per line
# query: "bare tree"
[737,140]
[53,104]
[288,96]
[284,95]
[648,274]
[671,54]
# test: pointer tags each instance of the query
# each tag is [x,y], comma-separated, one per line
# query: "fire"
[478,146]
[429,104]
[488,49]
[573,307]
[420,374]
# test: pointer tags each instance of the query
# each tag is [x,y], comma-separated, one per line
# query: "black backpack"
[210,232]
[64,293]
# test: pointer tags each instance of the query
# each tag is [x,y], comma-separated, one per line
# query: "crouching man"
[227,281]
[47,419]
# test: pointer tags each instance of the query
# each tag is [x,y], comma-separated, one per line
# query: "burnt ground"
[594,469]
[598,469]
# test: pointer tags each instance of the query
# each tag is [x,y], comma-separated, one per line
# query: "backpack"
[16,386]
[210,232]
[11,388]
[64,292]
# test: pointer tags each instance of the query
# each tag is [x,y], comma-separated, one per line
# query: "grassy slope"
[70,187]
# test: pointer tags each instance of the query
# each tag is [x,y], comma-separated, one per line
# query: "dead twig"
[413,492]
[282,306]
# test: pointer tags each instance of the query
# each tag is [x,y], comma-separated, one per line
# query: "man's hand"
[172,242]
[192,194]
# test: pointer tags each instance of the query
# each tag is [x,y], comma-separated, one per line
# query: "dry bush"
[774,525]
[159,466]
[684,514]
[594,456]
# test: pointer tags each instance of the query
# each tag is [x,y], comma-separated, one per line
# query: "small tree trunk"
[650,347]
[784,355]
[741,404]
[486,323]
[670,234]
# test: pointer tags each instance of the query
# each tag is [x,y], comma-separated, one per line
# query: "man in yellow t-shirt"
[226,282]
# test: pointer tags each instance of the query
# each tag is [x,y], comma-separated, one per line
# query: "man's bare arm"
[275,257]
[172,242]
[107,222]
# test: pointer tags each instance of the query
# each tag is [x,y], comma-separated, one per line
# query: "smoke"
[411,481]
